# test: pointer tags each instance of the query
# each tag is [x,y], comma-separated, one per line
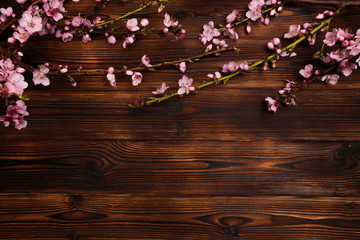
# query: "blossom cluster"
[258,9]
[341,61]
[12,85]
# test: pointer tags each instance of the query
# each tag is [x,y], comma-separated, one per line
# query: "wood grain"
[212,165]
[184,168]
[64,216]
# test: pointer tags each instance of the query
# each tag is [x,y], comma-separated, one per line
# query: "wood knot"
[180,129]
[92,171]
[73,236]
[174,107]
[74,200]
[232,231]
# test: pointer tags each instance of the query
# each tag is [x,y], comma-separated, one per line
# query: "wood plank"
[183,168]
[63,216]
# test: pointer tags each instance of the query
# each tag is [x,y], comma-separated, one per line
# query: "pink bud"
[270,45]
[276,41]
[11,40]
[74,84]
[111,39]
[144,22]
[352,42]
[345,43]
[165,30]
[64,70]
[280,9]
[317,72]
[248,28]
[320,16]
[266,21]
[111,70]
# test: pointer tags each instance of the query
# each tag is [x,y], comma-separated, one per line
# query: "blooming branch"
[241,70]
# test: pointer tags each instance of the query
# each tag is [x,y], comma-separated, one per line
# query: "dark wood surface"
[213,165]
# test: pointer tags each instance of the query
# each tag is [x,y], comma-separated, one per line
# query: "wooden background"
[215,165]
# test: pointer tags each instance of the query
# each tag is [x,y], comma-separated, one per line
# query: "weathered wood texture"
[212,165]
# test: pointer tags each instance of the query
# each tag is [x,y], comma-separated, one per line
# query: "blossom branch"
[100,72]
[246,19]
[241,71]
[143,6]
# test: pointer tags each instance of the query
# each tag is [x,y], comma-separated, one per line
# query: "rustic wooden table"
[212,165]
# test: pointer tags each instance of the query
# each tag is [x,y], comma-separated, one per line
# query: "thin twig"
[101,72]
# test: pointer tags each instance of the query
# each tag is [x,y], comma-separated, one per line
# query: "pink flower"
[307,71]
[339,55]
[275,42]
[31,23]
[21,35]
[111,39]
[144,22]
[136,78]
[111,77]
[288,87]
[67,37]
[330,39]
[320,16]
[7,11]
[180,34]
[255,10]
[347,67]
[357,33]
[210,32]
[129,40]
[185,85]
[358,61]
[182,66]
[39,76]
[216,75]
[15,113]
[221,43]
[63,69]
[232,16]
[244,66]
[15,83]
[132,25]
[53,8]
[231,33]
[168,22]
[161,90]
[86,38]
[146,61]
[272,104]
[342,35]
[76,21]
[293,31]
[355,48]
[202,39]
[331,78]
[230,67]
